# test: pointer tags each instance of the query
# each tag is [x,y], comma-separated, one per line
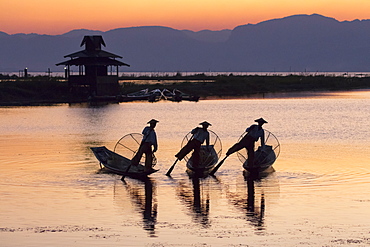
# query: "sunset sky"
[58,17]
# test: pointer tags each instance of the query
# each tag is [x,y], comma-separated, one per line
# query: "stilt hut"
[97,69]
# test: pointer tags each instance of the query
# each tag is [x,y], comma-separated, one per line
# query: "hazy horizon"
[290,44]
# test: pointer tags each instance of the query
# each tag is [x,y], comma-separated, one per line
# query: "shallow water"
[52,193]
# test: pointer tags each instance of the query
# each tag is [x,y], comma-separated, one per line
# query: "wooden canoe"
[208,159]
[118,164]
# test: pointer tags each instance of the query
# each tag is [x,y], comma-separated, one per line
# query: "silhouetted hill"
[82,32]
[302,42]
[294,43]
[209,36]
[157,48]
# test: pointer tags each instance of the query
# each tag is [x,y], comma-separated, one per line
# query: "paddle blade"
[171,168]
[218,166]
[128,168]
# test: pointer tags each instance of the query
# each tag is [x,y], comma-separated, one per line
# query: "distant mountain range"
[295,43]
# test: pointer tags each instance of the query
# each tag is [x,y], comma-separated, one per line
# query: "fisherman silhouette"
[149,140]
[254,132]
[199,136]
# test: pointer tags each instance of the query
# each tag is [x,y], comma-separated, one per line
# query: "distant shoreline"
[44,90]
[208,73]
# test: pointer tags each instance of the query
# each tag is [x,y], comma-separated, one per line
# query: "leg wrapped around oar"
[193,144]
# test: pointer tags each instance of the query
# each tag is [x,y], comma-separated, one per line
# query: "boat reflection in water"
[142,195]
[197,199]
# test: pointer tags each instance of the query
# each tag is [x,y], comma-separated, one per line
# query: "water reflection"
[44,141]
[255,214]
[249,196]
[142,195]
[197,200]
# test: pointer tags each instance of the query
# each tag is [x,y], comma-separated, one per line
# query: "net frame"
[128,146]
[214,140]
[270,140]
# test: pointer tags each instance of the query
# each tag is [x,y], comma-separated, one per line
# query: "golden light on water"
[52,190]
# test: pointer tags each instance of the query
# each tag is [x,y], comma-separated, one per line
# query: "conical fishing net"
[128,146]
[264,156]
[207,157]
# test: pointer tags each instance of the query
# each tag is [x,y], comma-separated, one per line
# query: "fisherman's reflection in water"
[196,201]
[255,214]
[245,199]
[145,202]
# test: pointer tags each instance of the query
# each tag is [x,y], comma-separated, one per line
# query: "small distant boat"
[156,95]
[140,95]
[113,162]
[145,94]
[171,96]
[177,96]
[183,96]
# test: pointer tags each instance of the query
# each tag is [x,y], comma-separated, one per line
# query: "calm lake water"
[52,193]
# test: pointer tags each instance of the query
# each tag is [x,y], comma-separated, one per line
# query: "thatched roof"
[98,53]
[98,61]
[93,54]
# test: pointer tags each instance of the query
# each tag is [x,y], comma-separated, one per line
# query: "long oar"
[171,168]
[218,166]
[128,168]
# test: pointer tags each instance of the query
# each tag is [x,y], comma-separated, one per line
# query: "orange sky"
[58,17]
